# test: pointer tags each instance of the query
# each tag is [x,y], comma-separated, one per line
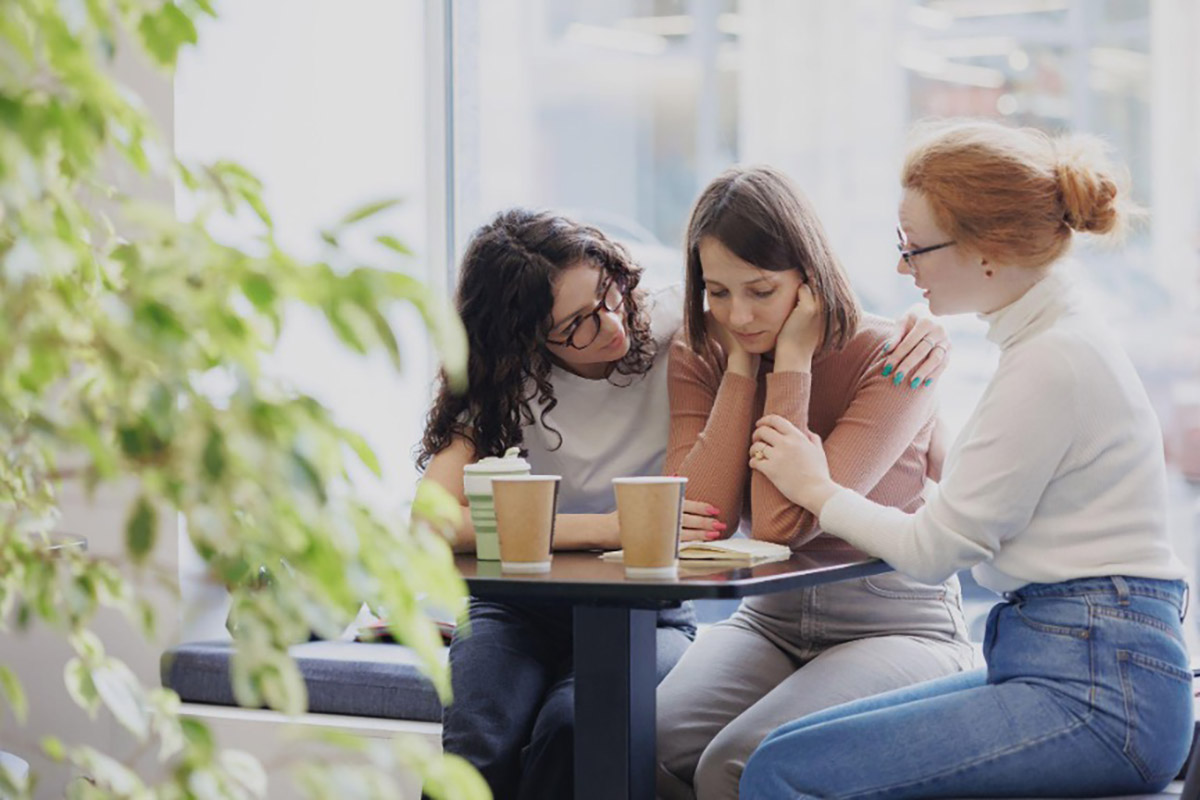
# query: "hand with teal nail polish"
[899,377]
[929,381]
[915,382]
[919,346]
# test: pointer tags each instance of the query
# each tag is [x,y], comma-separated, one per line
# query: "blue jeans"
[513,678]
[1087,693]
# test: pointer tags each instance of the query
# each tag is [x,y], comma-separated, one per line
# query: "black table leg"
[614,703]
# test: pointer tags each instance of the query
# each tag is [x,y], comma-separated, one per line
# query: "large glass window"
[324,102]
[619,111]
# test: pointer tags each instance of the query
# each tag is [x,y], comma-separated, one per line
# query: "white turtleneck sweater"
[1058,473]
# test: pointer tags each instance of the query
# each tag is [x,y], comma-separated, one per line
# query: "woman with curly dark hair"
[565,357]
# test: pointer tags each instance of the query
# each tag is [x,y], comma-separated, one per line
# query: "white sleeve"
[1015,445]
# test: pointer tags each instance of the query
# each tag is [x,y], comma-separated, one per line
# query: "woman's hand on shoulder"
[737,360]
[918,352]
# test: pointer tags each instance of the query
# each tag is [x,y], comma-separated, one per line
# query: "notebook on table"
[738,551]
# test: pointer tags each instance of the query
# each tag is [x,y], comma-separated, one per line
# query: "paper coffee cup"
[525,510]
[477,485]
[650,515]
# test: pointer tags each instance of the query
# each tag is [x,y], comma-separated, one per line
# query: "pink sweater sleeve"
[879,424]
[711,422]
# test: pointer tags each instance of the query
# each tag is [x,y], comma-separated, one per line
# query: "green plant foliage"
[116,321]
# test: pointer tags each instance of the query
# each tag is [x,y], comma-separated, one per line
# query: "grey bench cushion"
[362,679]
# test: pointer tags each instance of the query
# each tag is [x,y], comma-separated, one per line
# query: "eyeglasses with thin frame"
[583,331]
[909,254]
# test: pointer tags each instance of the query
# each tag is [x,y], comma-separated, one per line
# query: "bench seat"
[343,677]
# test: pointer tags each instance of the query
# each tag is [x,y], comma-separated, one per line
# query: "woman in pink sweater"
[784,335]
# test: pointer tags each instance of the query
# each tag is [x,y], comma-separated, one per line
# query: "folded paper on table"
[742,551]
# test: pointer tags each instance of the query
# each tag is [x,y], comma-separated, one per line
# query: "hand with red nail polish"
[701,522]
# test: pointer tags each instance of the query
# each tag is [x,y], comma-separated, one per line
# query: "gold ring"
[760,454]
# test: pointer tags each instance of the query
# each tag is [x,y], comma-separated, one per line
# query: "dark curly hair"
[505,297]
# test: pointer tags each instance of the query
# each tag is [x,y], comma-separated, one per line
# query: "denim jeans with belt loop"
[1087,692]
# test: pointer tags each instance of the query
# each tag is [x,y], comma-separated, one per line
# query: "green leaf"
[370,210]
[245,769]
[52,746]
[87,645]
[165,31]
[121,693]
[10,687]
[437,506]
[255,201]
[198,736]
[141,530]
[308,476]
[109,774]
[392,243]
[385,334]
[161,320]
[78,680]
[449,335]
[206,7]
[364,452]
[260,291]
[282,686]
[214,456]
[343,319]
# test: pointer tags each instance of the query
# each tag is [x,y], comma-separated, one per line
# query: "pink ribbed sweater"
[876,434]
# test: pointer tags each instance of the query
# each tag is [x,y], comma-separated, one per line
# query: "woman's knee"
[671,718]
[723,761]
[556,718]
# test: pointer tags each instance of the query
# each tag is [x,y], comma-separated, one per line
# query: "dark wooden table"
[614,644]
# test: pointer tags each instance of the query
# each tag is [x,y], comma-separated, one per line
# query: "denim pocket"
[1056,616]
[1158,714]
[895,586]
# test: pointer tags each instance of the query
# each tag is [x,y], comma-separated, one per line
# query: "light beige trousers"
[783,656]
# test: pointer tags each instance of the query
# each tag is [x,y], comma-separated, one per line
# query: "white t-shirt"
[1058,474]
[610,428]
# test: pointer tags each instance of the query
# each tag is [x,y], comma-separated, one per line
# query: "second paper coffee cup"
[650,515]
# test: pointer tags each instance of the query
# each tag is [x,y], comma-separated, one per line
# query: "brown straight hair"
[763,219]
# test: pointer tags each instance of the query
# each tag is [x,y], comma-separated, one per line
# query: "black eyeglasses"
[583,331]
[909,255]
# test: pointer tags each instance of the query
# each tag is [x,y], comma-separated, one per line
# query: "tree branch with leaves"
[133,346]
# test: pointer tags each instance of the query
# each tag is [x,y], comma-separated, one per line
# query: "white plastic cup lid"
[511,462]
